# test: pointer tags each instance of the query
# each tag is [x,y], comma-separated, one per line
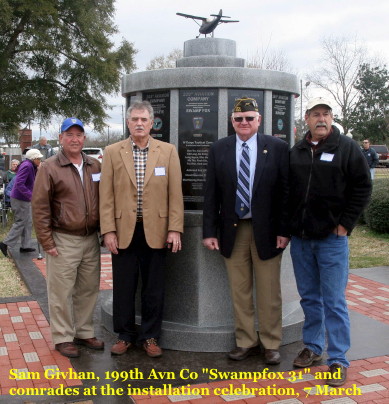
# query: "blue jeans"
[321,271]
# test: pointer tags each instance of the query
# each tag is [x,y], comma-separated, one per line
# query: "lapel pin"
[265,151]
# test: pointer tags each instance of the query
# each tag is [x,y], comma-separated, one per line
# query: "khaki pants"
[243,265]
[73,280]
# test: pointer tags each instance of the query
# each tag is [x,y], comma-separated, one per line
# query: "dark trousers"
[126,266]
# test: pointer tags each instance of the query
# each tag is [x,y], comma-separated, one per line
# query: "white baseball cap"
[313,102]
[33,154]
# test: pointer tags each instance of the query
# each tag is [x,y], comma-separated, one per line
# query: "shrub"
[377,212]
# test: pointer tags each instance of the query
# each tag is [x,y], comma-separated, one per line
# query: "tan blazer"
[163,207]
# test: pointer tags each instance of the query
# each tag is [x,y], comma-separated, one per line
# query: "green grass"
[368,248]
[11,283]
[382,172]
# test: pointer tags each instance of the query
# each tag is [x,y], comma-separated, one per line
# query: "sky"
[294,27]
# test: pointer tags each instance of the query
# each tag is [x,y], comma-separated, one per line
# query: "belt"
[139,219]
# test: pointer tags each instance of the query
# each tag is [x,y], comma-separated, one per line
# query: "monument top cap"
[245,104]
[314,102]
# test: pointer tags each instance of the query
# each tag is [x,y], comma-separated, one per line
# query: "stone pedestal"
[192,105]
[198,313]
[210,52]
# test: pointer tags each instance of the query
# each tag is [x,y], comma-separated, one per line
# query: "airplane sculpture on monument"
[208,25]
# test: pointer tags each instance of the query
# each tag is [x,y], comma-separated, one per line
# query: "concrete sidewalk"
[26,347]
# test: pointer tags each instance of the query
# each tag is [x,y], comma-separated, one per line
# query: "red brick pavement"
[368,382]
[26,346]
[369,298]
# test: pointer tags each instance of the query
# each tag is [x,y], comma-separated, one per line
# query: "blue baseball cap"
[69,122]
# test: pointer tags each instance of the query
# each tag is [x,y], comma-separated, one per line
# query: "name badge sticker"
[327,157]
[96,177]
[159,171]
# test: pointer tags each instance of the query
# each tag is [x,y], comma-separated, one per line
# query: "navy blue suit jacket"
[269,195]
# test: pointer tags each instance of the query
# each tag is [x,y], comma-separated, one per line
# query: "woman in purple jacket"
[21,204]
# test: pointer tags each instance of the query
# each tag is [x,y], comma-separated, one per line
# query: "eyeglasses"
[241,118]
[74,135]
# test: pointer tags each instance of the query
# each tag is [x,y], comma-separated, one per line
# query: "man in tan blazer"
[142,214]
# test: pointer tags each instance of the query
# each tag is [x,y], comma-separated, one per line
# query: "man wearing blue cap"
[65,207]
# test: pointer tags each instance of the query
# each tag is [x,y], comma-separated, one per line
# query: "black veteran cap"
[245,104]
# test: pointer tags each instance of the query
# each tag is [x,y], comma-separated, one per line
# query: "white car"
[94,152]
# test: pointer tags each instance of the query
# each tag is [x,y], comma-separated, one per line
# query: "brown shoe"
[152,349]
[120,347]
[92,343]
[272,357]
[68,349]
[239,354]
[338,375]
[306,358]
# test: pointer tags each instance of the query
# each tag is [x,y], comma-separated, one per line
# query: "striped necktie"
[242,204]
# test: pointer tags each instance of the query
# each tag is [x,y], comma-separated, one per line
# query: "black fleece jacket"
[329,185]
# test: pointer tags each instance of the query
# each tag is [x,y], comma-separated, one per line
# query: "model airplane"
[208,25]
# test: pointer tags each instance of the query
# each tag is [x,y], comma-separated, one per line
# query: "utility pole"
[123,123]
[301,105]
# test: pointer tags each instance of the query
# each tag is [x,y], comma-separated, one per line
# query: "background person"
[250,214]
[7,193]
[45,148]
[371,156]
[65,210]
[329,187]
[12,171]
[21,195]
[141,211]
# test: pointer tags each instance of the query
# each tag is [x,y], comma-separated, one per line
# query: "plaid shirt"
[140,160]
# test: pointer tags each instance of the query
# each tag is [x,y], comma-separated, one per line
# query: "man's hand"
[53,252]
[173,241]
[340,230]
[211,243]
[282,242]
[111,242]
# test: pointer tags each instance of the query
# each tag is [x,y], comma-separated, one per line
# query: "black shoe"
[338,375]
[26,250]
[4,248]
[239,354]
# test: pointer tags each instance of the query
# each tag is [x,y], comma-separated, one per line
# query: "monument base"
[182,337]
[198,313]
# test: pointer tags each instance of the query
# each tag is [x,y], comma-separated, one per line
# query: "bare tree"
[266,58]
[165,62]
[269,59]
[104,139]
[340,61]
